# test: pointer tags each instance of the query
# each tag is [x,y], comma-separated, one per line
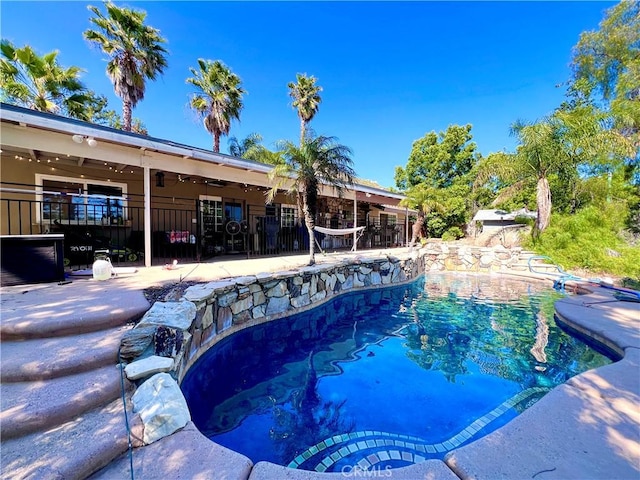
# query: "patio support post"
[355,221]
[147,216]
[406,226]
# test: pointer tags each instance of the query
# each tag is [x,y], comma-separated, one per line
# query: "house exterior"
[496,220]
[148,200]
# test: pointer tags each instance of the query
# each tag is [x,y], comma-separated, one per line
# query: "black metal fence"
[180,228]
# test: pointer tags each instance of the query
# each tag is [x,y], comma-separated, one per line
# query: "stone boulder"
[161,406]
[135,342]
[178,315]
[147,367]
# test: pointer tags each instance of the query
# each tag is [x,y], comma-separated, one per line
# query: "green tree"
[99,113]
[441,165]
[251,148]
[40,83]
[306,100]
[218,98]
[135,52]
[606,67]
[262,154]
[240,148]
[606,71]
[439,159]
[318,161]
[553,147]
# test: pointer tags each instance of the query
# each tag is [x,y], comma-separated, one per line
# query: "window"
[211,208]
[289,214]
[233,211]
[73,200]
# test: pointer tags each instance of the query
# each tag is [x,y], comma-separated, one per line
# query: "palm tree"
[239,148]
[260,153]
[219,97]
[425,200]
[40,83]
[555,145]
[320,160]
[306,99]
[134,49]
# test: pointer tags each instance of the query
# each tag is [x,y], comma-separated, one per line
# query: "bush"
[454,233]
[590,240]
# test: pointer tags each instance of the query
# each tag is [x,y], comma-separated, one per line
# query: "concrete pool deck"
[586,428]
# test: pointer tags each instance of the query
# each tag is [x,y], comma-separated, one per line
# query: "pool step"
[72,450]
[62,415]
[28,407]
[42,359]
[536,266]
[35,311]
[169,458]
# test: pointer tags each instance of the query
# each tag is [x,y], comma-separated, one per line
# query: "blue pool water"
[385,378]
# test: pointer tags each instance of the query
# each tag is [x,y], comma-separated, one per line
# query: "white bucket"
[102,269]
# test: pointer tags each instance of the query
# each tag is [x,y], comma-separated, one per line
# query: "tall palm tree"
[320,160]
[425,200]
[40,83]
[306,99]
[219,97]
[134,49]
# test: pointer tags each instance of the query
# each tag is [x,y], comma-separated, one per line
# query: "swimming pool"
[386,377]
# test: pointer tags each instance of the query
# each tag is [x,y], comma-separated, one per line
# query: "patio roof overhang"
[37,133]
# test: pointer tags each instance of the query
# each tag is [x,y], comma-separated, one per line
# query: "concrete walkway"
[62,416]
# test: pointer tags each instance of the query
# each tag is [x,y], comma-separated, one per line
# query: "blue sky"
[391,71]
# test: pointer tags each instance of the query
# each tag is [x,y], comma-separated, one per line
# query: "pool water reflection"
[386,377]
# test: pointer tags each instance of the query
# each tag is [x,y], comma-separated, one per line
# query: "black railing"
[89,228]
[180,230]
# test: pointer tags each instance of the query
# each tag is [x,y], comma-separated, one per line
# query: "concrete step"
[41,359]
[53,310]
[73,450]
[187,454]
[28,407]
[535,266]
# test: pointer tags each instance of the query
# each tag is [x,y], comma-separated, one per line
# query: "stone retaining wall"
[226,306]
[209,312]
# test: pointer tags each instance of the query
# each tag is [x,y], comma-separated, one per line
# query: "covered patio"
[149,201]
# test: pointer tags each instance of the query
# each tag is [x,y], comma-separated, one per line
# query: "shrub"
[588,240]
[453,233]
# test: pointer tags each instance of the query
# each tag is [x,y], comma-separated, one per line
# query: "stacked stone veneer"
[209,312]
